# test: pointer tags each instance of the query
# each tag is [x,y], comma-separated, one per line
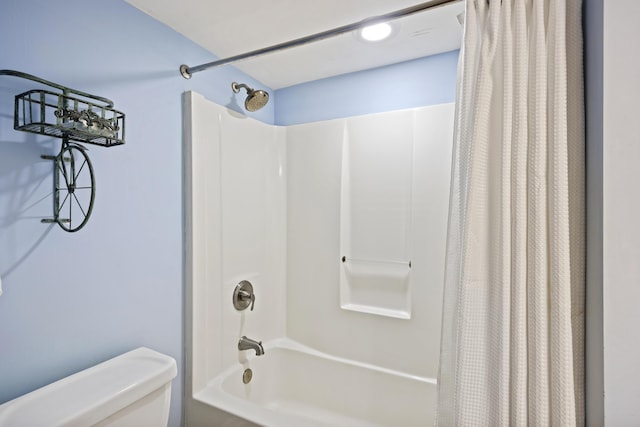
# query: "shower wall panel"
[375,214]
[236,225]
[411,152]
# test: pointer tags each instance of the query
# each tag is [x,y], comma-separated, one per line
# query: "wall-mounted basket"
[62,116]
[81,118]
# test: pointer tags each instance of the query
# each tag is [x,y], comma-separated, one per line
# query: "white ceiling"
[228,28]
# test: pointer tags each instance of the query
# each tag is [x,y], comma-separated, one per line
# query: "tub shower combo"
[315,254]
[314,262]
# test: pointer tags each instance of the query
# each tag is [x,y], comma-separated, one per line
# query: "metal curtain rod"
[187,71]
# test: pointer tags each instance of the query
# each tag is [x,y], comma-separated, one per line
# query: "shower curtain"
[512,336]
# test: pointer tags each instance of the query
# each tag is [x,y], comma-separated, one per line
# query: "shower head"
[256,99]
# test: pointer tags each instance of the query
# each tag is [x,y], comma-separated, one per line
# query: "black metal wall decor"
[75,117]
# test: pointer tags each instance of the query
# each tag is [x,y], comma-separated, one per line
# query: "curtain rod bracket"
[184,70]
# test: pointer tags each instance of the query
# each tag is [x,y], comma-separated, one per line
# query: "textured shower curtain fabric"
[512,334]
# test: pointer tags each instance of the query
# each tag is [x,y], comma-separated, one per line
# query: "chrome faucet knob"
[243,296]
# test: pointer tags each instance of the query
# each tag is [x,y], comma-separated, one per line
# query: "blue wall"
[73,300]
[425,81]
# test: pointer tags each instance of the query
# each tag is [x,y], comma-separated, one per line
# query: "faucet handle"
[243,296]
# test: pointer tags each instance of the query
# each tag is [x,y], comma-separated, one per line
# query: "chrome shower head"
[256,99]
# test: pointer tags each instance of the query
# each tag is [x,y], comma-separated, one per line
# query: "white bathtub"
[295,386]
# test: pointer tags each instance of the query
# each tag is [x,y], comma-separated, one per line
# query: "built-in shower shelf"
[62,116]
[376,287]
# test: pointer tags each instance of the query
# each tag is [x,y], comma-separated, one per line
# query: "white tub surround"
[282,207]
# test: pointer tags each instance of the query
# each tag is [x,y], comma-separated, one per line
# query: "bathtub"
[295,386]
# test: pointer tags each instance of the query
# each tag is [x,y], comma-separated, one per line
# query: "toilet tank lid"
[89,396]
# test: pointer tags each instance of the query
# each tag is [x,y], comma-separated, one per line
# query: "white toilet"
[133,389]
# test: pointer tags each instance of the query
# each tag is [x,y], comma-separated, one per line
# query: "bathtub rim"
[214,395]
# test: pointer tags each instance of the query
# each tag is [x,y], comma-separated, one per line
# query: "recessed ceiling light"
[376,32]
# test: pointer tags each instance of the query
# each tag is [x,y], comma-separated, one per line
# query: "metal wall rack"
[75,117]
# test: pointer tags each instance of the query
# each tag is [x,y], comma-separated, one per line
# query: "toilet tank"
[133,389]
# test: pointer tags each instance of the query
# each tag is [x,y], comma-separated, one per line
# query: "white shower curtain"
[512,336]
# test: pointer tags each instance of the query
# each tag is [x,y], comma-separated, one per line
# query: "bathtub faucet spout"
[249,344]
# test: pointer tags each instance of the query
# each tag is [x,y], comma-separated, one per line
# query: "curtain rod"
[187,71]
